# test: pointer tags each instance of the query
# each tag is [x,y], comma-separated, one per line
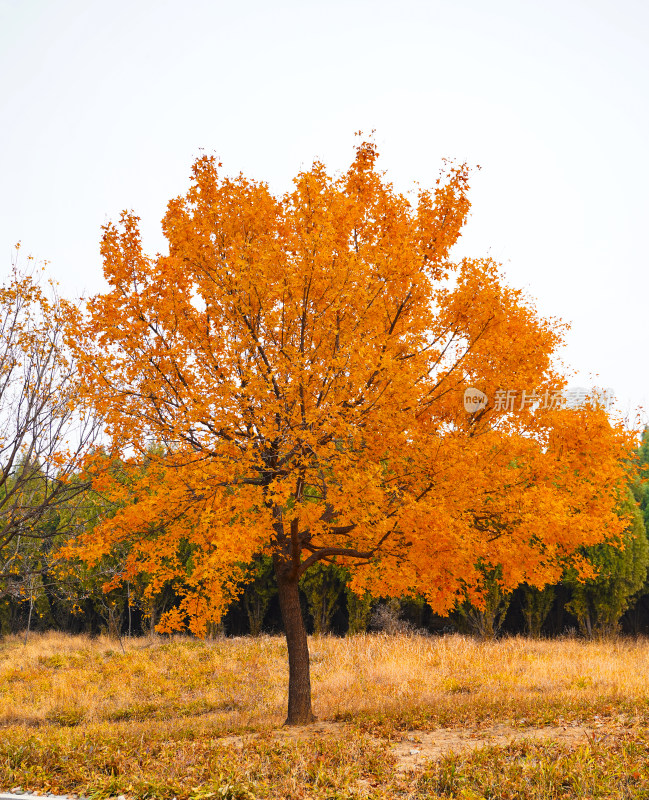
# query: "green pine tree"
[599,603]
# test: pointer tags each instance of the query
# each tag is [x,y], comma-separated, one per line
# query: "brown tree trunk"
[299,677]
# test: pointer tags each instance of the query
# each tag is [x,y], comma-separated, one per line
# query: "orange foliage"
[302,360]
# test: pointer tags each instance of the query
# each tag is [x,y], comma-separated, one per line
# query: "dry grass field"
[403,716]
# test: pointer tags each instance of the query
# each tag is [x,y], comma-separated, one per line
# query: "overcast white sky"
[103,106]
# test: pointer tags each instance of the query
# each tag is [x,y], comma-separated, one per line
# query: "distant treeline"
[329,607]
[43,592]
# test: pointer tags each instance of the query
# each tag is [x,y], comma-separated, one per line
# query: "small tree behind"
[359,610]
[323,585]
[259,590]
[537,604]
[44,435]
[600,602]
[485,618]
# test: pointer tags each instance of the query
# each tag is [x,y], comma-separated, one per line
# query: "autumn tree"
[303,360]
[44,435]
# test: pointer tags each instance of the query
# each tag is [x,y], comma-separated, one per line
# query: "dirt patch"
[414,748]
[418,747]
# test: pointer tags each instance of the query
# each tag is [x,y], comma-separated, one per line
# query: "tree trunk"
[128,600]
[31,607]
[299,678]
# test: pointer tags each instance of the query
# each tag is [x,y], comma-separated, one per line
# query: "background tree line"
[42,591]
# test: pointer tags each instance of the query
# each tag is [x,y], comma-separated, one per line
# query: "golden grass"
[241,683]
[455,679]
[164,718]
